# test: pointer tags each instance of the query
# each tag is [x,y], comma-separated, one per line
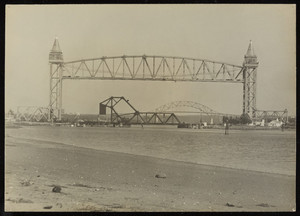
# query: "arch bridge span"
[176,104]
[200,108]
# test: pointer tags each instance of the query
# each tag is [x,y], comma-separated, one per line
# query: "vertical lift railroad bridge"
[154,68]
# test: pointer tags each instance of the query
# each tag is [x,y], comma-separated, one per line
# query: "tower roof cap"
[250,51]
[56,47]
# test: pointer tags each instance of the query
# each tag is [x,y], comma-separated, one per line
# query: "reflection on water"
[268,151]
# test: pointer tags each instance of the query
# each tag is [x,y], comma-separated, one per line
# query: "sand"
[94,180]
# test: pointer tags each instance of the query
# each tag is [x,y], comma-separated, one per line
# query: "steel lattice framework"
[32,113]
[272,114]
[160,68]
[154,68]
[249,88]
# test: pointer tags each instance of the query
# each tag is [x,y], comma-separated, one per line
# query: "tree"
[245,119]
[10,112]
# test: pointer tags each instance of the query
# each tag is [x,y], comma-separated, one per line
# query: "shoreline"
[112,181]
[214,127]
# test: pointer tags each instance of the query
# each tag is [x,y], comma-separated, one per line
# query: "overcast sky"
[215,32]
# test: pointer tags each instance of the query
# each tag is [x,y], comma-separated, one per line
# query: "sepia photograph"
[150,108]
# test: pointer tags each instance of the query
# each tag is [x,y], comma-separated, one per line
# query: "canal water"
[270,151]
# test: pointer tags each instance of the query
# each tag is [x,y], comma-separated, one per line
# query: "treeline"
[243,119]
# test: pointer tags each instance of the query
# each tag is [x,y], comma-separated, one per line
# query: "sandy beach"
[96,180]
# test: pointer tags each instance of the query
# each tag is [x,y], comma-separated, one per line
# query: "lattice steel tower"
[56,62]
[249,88]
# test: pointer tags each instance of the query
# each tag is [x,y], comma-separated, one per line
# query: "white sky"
[215,32]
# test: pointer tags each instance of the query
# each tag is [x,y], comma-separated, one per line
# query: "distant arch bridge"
[198,109]
[177,104]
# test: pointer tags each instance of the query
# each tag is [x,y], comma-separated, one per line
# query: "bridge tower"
[56,64]
[249,85]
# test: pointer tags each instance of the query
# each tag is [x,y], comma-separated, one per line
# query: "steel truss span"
[160,68]
[272,114]
[32,113]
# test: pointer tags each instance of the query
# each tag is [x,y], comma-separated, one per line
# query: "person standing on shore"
[282,126]
[226,128]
